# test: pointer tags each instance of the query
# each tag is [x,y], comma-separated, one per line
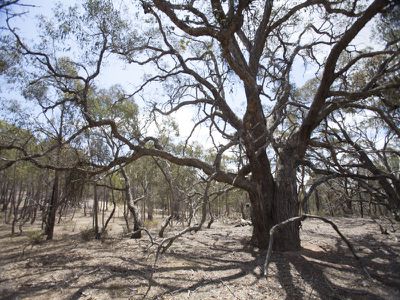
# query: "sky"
[113,72]
[130,76]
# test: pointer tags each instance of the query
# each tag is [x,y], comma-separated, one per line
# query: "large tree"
[234,63]
[257,45]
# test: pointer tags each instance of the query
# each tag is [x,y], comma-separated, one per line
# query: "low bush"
[35,237]
[87,234]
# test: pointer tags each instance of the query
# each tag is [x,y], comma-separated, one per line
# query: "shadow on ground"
[215,263]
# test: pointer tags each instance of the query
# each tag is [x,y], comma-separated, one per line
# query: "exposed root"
[302,218]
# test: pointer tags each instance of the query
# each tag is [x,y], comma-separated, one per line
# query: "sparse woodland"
[292,190]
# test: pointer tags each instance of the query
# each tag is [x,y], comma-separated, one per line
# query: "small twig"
[26,246]
[229,289]
[302,218]
[381,228]
[312,290]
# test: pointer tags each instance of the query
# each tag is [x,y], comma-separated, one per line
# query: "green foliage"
[389,26]
[13,138]
[67,67]
[35,237]
[3,65]
[183,44]
[87,234]
[306,93]
[113,103]
[151,223]
[116,180]
[36,91]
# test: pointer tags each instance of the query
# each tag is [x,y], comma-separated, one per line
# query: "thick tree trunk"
[286,205]
[274,202]
[261,219]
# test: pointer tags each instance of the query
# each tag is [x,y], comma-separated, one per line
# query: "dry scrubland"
[215,263]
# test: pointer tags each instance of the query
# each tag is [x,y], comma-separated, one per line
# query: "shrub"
[87,234]
[35,237]
[151,223]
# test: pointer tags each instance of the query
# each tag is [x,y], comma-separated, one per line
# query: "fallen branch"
[381,228]
[229,289]
[152,240]
[302,218]
[167,242]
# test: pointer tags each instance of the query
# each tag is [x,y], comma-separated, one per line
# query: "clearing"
[215,263]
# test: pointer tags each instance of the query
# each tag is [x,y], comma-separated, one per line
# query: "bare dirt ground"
[216,263]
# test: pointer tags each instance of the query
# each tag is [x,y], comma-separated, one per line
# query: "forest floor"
[215,263]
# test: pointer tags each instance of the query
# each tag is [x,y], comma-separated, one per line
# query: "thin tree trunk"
[361,209]
[175,201]
[211,215]
[36,202]
[97,234]
[349,204]
[227,210]
[113,210]
[317,200]
[150,207]
[137,224]
[4,194]
[126,217]
[16,210]
[144,211]
[303,202]
[63,209]
[164,225]
[11,199]
[103,208]
[52,209]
